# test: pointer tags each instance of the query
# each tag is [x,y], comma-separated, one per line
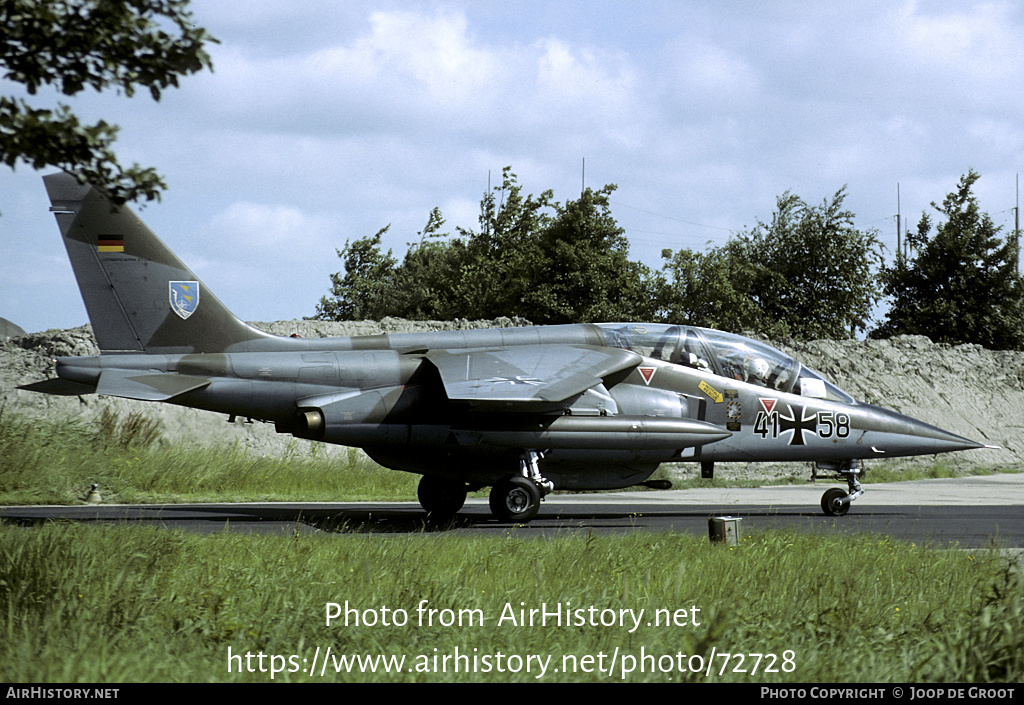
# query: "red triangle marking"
[647,373]
[768,404]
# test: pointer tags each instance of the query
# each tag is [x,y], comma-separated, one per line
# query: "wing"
[532,375]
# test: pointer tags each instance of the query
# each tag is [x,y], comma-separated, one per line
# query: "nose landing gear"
[836,502]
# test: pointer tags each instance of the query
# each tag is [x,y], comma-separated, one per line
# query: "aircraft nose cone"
[904,435]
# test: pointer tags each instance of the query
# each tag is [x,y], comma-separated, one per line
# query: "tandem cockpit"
[727,355]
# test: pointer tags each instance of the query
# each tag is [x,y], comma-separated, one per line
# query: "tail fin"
[140,297]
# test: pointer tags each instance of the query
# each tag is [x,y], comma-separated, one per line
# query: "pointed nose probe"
[895,434]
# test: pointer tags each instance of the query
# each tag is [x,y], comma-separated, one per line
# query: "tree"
[808,273]
[820,273]
[365,290]
[710,289]
[571,265]
[419,285]
[494,268]
[584,273]
[962,285]
[99,44]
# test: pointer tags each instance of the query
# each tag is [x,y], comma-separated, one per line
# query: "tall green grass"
[46,462]
[115,604]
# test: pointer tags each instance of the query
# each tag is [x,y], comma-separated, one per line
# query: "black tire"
[441,497]
[515,499]
[828,502]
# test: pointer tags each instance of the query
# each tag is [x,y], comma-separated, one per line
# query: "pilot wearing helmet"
[756,370]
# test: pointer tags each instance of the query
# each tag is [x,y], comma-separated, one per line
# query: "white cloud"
[708,77]
[410,72]
[258,230]
[970,53]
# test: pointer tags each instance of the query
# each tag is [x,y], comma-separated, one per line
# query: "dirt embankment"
[966,389]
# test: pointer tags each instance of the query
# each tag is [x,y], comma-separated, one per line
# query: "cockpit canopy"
[724,354]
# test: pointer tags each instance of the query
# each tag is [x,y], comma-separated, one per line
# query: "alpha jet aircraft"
[523,410]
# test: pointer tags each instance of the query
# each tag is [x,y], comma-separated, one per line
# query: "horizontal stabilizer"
[61,387]
[132,384]
[529,374]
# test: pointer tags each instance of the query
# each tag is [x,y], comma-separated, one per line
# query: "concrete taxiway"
[967,512]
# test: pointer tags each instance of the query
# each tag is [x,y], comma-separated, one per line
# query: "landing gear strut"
[836,502]
[517,498]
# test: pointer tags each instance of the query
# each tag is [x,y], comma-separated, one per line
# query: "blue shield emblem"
[184,298]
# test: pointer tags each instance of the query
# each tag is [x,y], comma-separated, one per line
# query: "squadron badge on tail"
[184,298]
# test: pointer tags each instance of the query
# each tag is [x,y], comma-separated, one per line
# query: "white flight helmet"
[757,369]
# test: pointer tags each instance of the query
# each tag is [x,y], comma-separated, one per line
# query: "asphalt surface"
[965,512]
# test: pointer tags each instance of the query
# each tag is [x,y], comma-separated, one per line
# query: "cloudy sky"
[325,121]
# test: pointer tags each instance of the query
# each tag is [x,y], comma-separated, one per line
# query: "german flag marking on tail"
[110,244]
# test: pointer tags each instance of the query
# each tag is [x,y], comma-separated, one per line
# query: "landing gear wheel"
[830,504]
[441,497]
[515,499]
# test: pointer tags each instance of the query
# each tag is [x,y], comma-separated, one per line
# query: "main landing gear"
[441,497]
[517,498]
[514,498]
[836,501]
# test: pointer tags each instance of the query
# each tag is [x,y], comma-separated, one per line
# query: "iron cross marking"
[799,423]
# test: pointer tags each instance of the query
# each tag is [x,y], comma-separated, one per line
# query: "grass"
[139,604]
[56,463]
